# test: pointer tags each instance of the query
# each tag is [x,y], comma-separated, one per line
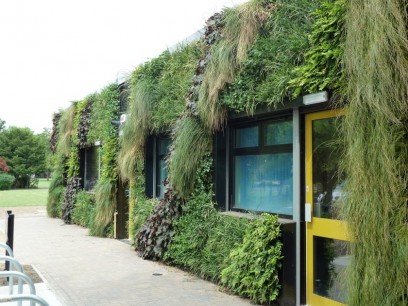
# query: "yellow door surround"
[318,227]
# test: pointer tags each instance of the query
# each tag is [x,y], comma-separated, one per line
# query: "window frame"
[262,148]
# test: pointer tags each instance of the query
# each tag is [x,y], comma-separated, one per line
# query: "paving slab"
[82,270]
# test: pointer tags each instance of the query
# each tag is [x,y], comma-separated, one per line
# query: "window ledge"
[250,216]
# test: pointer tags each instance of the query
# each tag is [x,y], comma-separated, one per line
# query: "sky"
[53,52]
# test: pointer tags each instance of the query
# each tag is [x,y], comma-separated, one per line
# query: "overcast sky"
[53,52]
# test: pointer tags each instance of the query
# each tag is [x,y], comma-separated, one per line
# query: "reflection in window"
[328,185]
[246,137]
[265,182]
[262,177]
[330,263]
[279,133]
[163,145]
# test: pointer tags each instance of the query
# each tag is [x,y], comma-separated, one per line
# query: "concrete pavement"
[83,270]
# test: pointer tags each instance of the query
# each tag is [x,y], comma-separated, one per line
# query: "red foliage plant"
[3,166]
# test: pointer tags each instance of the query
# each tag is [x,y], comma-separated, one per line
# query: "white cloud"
[54,52]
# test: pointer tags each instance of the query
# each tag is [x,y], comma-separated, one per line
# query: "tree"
[44,139]
[2,125]
[24,154]
[3,166]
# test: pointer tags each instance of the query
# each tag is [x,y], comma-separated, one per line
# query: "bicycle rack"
[14,264]
[24,297]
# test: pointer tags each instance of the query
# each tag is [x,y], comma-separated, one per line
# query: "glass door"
[326,234]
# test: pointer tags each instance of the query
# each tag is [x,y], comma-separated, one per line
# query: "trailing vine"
[73,186]
[155,235]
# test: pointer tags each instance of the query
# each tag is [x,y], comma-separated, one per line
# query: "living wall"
[254,57]
[279,47]
[79,127]
[376,138]
[156,99]
[185,228]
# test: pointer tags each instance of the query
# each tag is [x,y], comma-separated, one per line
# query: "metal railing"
[13,264]
[23,297]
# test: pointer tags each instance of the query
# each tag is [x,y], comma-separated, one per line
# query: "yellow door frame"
[327,228]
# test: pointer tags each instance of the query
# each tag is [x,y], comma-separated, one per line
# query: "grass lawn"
[25,197]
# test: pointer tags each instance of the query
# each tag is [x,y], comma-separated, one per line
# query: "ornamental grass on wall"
[375,127]
[240,26]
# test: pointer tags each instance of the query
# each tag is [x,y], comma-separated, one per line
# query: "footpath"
[78,270]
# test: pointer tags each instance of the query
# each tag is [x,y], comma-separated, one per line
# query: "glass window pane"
[161,176]
[163,145]
[331,258]
[91,168]
[246,137]
[278,133]
[264,183]
[328,185]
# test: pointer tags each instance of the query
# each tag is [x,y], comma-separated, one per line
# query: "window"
[157,149]
[261,173]
[162,148]
[91,167]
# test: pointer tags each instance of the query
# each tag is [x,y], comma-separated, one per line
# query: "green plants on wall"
[252,267]
[184,162]
[80,126]
[105,109]
[278,48]
[157,91]
[84,121]
[73,138]
[141,206]
[155,235]
[322,68]
[260,54]
[240,26]
[375,129]
[54,133]
[56,189]
[73,186]
[203,238]
[84,210]
[105,198]
[65,128]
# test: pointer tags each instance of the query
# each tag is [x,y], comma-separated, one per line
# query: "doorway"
[327,239]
